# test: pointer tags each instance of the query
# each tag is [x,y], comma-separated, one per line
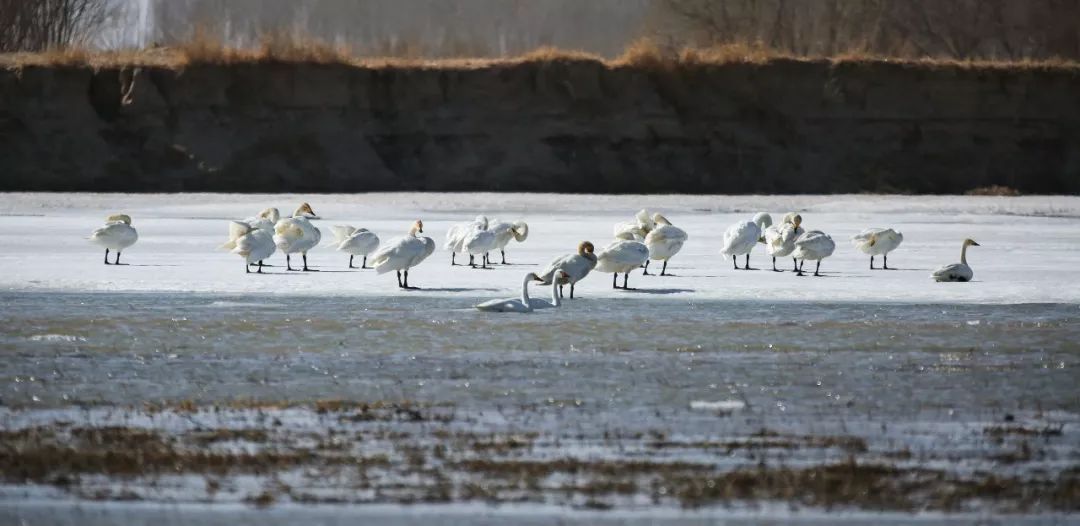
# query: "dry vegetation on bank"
[645,53]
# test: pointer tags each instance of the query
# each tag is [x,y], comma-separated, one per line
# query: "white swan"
[404,253]
[478,242]
[297,234]
[780,239]
[957,271]
[574,267]
[504,232]
[253,244]
[621,256]
[742,237]
[878,242]
[664,241]
[455,236]
[637,229]
[355,242]
[813,245]
[524,304]
[117,234]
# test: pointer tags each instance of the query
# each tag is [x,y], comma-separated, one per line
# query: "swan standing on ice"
[878,242]
[404,253]
[253,244]
[742,237]
[960,272]
[637,229]
[813,245]
[355,242]
[117,234]
[478,242]
[664,241]
[621,256]
[455,237]
[297,234]
[574,267]
[780,239]
[504,232]
[524,304]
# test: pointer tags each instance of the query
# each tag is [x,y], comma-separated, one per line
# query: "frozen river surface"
[178,386]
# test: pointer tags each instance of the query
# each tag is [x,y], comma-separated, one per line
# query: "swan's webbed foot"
[399,280]
[306,269]
[663,270]
[817,269]
[503,252]
[117,262]
[735,262]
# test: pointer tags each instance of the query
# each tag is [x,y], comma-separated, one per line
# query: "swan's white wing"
[520,231]
[115,236]
[341,233]
[814,245]
[740,238]
[504,305]
[622,256]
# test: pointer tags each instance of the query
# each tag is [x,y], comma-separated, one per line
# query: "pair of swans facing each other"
[525,303]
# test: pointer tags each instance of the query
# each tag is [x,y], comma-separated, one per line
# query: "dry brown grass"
[202,48]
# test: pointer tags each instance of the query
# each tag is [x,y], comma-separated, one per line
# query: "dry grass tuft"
[994,190]
[554,54]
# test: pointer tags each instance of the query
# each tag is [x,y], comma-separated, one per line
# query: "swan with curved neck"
[297,234]
[780,239]
[742,237]
[574,266]
[664,241]
[878,242]
[117,234]
[957,272]
[524,303]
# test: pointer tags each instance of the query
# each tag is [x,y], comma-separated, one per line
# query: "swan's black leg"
[798,269]
[107,257]
[615,280]
[747,266]
[885,258]
[350,261]
[260,267]
[406,278]
[247,268]
[561,292]
[646,272]
[288,262]
[305,264]
[624,278]
[484,261]
[117,262]
[399,279]
[817,268]
[472,261]
[503,252]
[364,263]
[571,291]
[871,262]
[453,255]
[796,263]
[664,269]
[774,269]
[735,261]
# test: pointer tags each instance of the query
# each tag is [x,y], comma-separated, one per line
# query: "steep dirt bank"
[564,126]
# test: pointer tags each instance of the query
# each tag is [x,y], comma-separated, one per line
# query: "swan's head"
[763,220]
[272,214]
[796,220]
[417,227]
[305,211]
[970,243]
[520,231]
[532,277]
[119,218]
[585,247]
[660,220]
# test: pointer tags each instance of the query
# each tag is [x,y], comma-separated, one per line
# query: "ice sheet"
[1028,253]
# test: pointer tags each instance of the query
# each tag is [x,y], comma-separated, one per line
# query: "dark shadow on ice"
[659,291]
[460,289]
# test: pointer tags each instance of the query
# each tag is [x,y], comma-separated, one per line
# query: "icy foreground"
[1028,253]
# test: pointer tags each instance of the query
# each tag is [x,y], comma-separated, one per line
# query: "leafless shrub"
[38,25]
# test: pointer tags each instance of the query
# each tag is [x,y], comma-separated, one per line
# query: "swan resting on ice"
[813,245]
[574,267]
[957,272]
[117,234]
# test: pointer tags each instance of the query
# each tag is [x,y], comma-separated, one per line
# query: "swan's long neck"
[555,292]
[525,290]
[963,254]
